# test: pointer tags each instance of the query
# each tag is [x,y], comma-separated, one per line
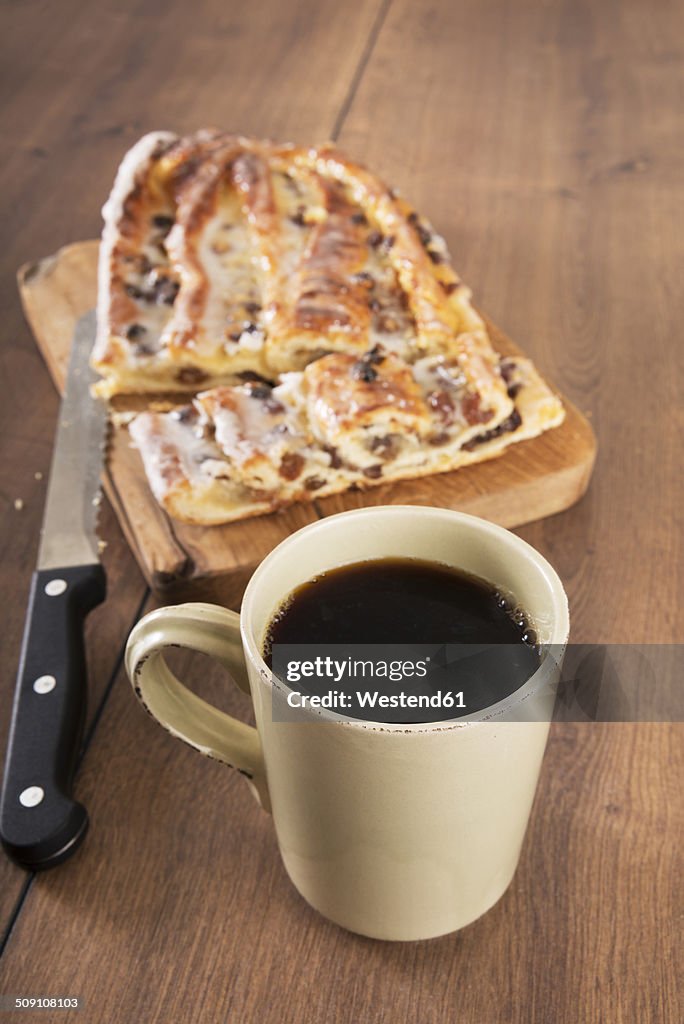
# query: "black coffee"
[408,601]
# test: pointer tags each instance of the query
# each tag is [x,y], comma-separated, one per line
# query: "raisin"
[291,183]
[313,483]
[373,472]
[253,308]
[505,427]
[186,414]
[265,394]
[163,222]
[145,348]
[438,439]
[436,257]
[335,460]
[472,410]
[165,291]
[375,355]
[134,292]
[449,286]
[507,368]
[442,404]
[291,465]
[363,277]
[363,371]
[190,375]
[298,218]
[375,239]
[135,331]
[385,447]
[510,424]
[359,218]
[424,235]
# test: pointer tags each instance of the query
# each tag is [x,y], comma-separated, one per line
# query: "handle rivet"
[32,796]
[55,587]
[43,684]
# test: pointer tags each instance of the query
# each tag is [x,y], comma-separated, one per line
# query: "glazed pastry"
[221,254]
[315,310]
[242,451]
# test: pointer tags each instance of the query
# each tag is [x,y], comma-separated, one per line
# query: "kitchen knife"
[40,823]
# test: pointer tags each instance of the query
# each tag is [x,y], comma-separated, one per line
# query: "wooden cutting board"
[532,479]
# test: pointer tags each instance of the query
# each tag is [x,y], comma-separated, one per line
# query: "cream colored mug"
[393,831]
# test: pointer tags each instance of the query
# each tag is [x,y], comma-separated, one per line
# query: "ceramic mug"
[392,831]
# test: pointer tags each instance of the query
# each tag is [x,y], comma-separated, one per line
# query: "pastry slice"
[222,254]
[174,233]
[242,451]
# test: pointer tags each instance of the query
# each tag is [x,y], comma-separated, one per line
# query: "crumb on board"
[38,475]
[18,504]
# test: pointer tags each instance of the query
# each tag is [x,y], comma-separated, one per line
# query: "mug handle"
[210,630]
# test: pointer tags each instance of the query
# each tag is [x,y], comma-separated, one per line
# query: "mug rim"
[493,712]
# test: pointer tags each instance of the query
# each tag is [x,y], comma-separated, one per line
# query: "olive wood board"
[532,479]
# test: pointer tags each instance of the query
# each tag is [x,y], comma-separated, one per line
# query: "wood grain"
[530,480]
[211,929]
[79,99]
[545,139]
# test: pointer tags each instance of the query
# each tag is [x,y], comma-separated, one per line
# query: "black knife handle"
[40,823]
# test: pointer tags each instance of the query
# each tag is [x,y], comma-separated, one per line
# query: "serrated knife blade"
[69,536]
[40,822]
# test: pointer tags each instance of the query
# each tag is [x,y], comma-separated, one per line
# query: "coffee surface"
[488,641]
[399,600]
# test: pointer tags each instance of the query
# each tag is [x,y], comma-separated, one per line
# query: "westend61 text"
[373,699]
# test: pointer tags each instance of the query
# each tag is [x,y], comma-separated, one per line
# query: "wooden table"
[543,140]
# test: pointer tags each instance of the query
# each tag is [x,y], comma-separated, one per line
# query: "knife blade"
[40,822]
